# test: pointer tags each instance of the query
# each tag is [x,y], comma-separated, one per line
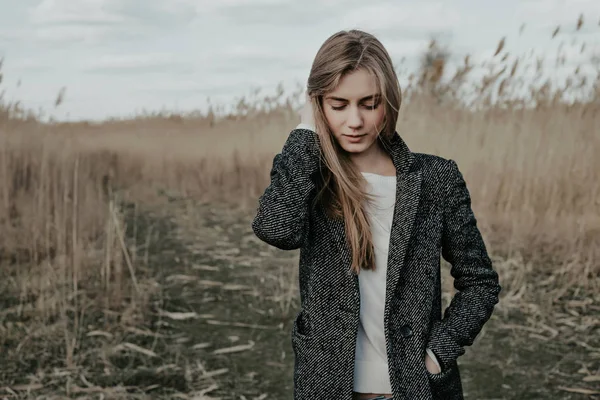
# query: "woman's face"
[354,112]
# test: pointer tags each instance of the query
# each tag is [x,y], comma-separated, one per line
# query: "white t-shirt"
[371,373]
[371,367]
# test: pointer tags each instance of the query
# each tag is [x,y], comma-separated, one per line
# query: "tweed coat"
[432,218]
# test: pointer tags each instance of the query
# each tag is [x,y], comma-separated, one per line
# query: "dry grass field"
[129,269]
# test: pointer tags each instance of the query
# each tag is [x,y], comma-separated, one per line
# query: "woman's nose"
[354,119]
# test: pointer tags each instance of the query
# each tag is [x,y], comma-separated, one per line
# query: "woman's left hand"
[431,365]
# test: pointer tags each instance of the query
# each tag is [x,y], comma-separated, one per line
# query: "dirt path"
[245,295]
[218,326]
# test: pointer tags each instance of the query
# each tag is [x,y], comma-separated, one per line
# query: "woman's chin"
[355,147]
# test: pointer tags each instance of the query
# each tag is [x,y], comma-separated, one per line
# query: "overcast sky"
[119,57]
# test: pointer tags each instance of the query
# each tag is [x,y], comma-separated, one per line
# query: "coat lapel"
[408,191]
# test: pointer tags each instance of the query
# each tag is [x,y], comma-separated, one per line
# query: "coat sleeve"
[475,280]
[282,217]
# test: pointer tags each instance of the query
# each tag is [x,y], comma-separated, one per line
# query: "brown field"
[129,269]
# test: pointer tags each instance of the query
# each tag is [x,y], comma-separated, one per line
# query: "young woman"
[371,219]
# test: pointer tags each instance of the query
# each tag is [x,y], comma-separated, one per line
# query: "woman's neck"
[374,160]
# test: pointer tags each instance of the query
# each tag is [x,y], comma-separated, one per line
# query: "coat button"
[406,331]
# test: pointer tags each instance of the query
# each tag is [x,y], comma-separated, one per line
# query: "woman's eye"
[368,107]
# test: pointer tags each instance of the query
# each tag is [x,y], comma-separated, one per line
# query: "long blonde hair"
[341,192]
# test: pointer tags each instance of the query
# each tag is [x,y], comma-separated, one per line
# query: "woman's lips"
[354,139]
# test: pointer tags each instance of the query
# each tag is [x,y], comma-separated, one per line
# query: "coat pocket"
[301,327]
[303,365]
[447,384]
[309,364]
[317,367]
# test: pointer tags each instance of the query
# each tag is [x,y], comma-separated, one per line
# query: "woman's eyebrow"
[363,99]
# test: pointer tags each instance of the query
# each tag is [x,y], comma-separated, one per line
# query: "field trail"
[216,317]
[231,300]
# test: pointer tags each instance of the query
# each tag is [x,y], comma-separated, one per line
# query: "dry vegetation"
[76,251]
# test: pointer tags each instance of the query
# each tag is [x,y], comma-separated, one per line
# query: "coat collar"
[401,155]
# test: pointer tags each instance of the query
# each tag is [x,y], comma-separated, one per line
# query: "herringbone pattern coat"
[432,217]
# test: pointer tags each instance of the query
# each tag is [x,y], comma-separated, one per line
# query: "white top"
[371,367]
[371,373]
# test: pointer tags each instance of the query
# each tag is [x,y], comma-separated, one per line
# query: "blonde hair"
[341,192]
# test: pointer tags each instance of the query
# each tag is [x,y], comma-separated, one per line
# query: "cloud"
[71,12]
[10,36]
[422,17]
[30,64]
[150,52]
[256,58]
[95,21]
[406,47]
[269,13]
[90,34]
[559,12]
[158,14]
[88,21]
[414,18]
[191,87]
[210,5]
[135,63]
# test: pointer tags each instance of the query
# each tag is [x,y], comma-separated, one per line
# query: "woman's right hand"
[306,114]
